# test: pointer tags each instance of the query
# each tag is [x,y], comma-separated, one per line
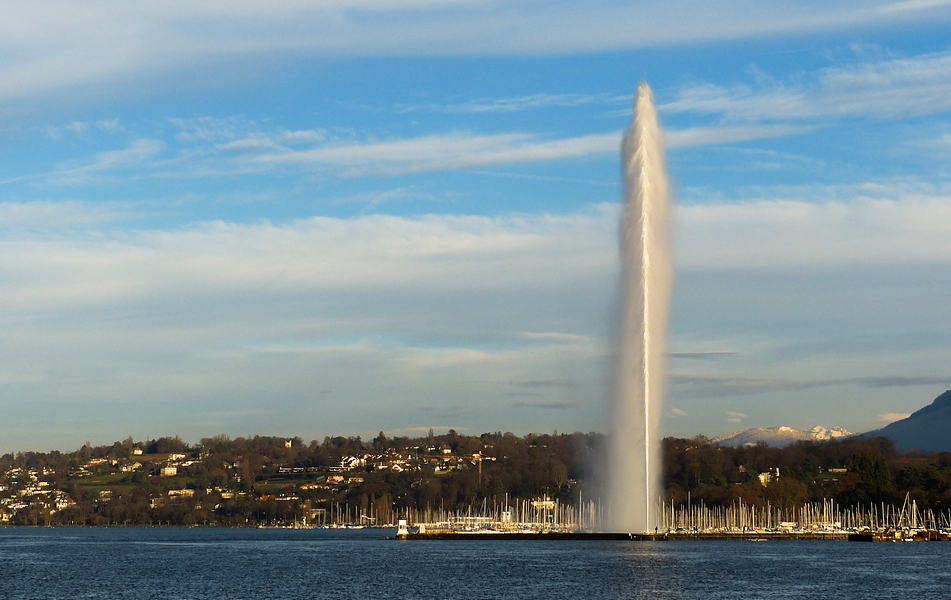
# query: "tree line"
[264,480]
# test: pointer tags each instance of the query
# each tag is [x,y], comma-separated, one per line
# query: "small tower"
[401,529]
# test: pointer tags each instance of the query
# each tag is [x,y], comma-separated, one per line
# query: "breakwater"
[626,537]
[761,536]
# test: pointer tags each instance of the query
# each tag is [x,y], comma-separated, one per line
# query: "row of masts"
[553,515]
[545,514]
[505,514]
[823,515]
[538,514]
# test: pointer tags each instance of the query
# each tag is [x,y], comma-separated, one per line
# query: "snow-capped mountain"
[779,436]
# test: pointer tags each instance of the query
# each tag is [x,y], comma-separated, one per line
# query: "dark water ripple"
[234,563]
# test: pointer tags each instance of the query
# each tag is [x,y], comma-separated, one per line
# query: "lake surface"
[240,563]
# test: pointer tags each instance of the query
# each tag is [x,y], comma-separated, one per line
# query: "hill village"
[275,481]
[188,485]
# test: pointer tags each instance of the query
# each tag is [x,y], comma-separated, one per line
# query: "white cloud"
[711,136]
[73,128]
[458,151]
[516,104]
[735,417]
[132,156]
[892,417]
[136,155]
[221,147]
[318,253]
[250,144]
[892,88]
[410,310]
[939,146]
[60,215]
[888,225]
[546,405]
[111,125]
[301,136]
[910,5]
[71,43]
[211,129]
[420,310]
[554,336]
[257,142]
[442,153]
[678,412]
[76,127]
[838,225]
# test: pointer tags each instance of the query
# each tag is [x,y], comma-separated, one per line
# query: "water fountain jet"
[634,482]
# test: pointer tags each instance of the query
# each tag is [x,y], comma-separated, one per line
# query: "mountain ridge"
[928,428]
[779,436]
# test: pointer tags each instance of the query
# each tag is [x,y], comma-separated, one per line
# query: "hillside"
[926,429]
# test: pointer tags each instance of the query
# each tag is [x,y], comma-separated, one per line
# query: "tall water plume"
[634,489]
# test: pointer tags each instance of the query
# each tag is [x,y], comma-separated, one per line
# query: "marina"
[546,519]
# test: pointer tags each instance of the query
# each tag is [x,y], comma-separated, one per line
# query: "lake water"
[239,563]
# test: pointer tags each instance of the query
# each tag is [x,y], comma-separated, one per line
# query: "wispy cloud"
[892,417]
[467,151]
[712,136]
[717,386]
[78,128]
[735,417]
[61,215]
[892,88]
[516,104]
[464,151]
[212,129]
[137,155]
[939,146]
[241,312]
[546,405]
[212,147]
[835,225]
[366,252]
[547,383]
[132,156]
[723,386]
[553,336]
[909,5]
[898,381]
[75,43]
[71,128]
[442,153]
[256,140]
[701,355]
[368,307]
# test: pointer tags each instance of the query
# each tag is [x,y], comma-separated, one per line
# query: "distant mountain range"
[779,436]
[927,429]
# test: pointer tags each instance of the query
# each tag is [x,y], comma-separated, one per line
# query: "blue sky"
[338,218]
